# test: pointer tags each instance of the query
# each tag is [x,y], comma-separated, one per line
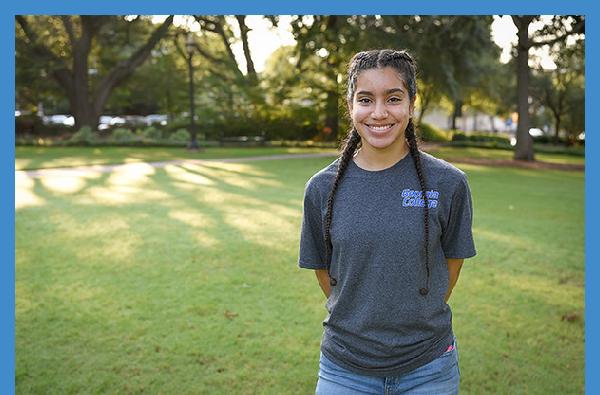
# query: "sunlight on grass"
[118,251]
[126,184]
[258,226]
[510,240]
[22,163]
[24,194]
[158,280]
[181,173]
[122,194]
[131,174]
[200,222]
[236,174]
[62,183]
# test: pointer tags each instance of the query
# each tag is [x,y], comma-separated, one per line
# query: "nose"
[379,112]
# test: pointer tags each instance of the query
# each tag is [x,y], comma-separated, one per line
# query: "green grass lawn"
[449,153]
[183,280]
[27,157]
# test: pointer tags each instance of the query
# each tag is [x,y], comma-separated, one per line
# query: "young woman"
[386,228]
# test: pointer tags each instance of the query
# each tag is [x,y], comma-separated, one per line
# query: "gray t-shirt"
[378,322]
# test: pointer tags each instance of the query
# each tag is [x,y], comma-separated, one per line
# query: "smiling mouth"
[381,128]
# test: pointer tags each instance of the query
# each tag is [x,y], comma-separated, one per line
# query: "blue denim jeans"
[440,376]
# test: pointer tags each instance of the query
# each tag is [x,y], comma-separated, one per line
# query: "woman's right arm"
[323,278]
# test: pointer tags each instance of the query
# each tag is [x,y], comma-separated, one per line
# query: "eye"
[395,99]
[364,100]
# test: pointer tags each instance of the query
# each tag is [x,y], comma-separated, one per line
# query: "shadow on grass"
[185,277]
[129,280]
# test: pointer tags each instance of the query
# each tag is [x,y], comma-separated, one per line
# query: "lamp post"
[190,47]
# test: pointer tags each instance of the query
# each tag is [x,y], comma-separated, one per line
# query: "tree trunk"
[332,104]
[251,71]
[425,100]
[124,69]
[331,115]
[87,106]
[456,113]
[79,97]
[524,146]
[492,126]
[556,132]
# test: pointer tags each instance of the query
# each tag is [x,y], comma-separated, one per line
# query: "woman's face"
[381,108]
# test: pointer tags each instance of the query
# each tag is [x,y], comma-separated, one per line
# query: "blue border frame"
[7,204]
[7,81]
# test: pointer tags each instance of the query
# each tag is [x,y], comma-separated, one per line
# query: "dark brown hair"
[404,64]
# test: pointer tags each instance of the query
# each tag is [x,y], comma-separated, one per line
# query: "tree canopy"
[92,65]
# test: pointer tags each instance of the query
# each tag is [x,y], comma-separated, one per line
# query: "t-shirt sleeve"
[312,242]
[457,237]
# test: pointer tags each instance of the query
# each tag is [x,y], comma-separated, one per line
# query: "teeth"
[380,128]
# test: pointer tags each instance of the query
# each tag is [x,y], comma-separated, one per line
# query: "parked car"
[135,120]
[117,121]
[104,122]
[536,132]
[156,119]
[58,119]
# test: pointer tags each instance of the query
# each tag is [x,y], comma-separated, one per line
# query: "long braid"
[348,150]
[416,156]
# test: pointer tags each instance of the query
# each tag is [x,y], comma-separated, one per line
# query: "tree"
[558,30]
[557,89]
[243,94]
[68,60]
[318,37]
[455,54]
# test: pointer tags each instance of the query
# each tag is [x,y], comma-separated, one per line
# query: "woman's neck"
[373,159]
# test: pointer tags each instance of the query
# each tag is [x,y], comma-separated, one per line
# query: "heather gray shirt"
[378,323]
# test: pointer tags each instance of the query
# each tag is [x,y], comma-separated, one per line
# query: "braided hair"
[403,63]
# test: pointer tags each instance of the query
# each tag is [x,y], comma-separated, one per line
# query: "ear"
[411,108]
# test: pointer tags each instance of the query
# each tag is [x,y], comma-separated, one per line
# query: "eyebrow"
[387,92]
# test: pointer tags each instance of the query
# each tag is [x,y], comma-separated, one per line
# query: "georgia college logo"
[413,198]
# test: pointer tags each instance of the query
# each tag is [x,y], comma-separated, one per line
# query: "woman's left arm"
[454,266]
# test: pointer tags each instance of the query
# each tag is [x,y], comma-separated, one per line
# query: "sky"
[504,34]
[264,39]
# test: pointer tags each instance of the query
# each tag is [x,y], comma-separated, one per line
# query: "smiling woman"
[381,110]
[386,228]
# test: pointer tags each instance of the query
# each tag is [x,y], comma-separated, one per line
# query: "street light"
[190,48]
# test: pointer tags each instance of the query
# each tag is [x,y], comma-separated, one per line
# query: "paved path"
[82,170]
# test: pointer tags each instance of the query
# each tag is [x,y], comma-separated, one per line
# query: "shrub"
[83,135]
[429,132]
[181,135]
[152,134]
[123,135]
[458,135]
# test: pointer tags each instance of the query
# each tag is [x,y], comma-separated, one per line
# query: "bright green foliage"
[458,135]
[152,134]
[124,135]
[84,136]
[429,132]
[180,135]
